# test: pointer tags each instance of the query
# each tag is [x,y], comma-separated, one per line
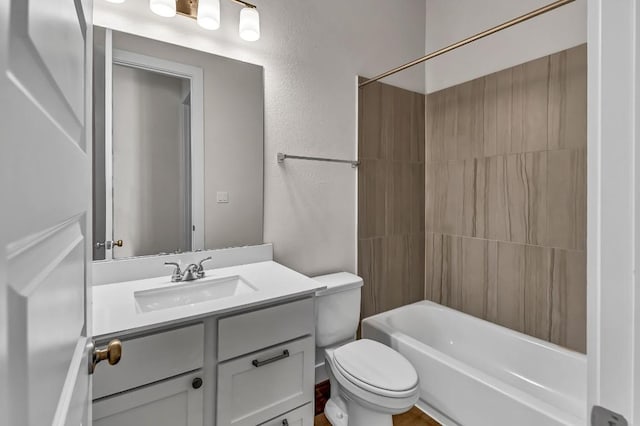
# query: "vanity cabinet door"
[302,416]
[173,402]
[258,387]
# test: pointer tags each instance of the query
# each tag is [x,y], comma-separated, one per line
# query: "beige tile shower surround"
[391,188]
[505,205]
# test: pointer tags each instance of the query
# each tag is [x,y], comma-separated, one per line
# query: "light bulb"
[164,8]
[249,24]
[209,14]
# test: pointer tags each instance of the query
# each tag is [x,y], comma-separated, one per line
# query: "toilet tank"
[337,308]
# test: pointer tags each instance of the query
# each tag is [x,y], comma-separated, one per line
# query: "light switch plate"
[222,197]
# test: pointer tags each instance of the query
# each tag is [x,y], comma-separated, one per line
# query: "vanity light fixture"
[164,8]
[207,14]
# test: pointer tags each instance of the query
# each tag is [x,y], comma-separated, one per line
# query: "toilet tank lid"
[340,281]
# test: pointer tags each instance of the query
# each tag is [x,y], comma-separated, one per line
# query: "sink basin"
[190,293]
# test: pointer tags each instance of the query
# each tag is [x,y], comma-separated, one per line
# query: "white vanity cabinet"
[263,384]
[159,381]
[173,402]
[240,369]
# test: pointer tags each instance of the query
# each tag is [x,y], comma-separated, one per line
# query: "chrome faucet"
[191,273]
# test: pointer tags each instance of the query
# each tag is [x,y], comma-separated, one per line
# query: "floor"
[410,418]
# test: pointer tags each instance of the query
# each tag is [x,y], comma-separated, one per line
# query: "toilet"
[370,382]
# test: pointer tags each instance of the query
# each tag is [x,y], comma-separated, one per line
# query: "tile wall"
[391,191]
[505,198]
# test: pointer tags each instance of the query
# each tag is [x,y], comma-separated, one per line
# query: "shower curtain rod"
[483,34]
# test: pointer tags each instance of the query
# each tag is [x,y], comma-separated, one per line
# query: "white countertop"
[115,310]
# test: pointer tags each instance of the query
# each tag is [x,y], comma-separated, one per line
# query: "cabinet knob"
[285,422]
[196,383]
[112,353]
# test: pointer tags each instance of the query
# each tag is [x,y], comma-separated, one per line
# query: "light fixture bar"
[207,14]
[189,8]
[246,4]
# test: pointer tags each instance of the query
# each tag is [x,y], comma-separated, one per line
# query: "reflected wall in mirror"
[178,149]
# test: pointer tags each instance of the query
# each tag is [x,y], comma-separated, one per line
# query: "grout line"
[507,242]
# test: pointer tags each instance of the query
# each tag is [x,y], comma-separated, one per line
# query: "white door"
[613,233]
[45,65]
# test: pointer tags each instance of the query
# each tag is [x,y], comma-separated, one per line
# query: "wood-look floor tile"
[435,140]
[504,111]
[434,262]
[372,267]
[450,125]
[416,254]
[536,103]
[492,282]
[405,198]
[470,119]
[451,272]
[402,124]
[568,99]
[405,271]
[413,417]
[407,110]
[569,292]
[474,199]
[566,203]
[372,198]
[370,142]
[475,276]
[510,286]
[518,110]
[537,292]
[429,199]
[490,115]
[518,202]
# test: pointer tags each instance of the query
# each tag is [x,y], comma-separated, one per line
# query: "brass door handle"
[109,245]
[112,353]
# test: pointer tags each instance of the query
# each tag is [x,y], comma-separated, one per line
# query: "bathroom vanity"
[236,346]
[244,358]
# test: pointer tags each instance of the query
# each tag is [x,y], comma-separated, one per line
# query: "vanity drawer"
[245,333]
[151,358]
[261,386]
[302,416]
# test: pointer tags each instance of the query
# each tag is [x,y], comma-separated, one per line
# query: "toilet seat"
[376,368]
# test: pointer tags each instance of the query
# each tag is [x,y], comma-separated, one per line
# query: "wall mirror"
[177,149]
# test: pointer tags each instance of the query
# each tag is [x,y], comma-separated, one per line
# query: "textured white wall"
[311,53]
[449,21]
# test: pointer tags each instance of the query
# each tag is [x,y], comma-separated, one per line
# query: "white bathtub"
[476,373]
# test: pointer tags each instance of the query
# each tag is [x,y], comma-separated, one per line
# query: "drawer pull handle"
[256,363]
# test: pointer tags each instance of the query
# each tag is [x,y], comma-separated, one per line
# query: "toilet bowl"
[370,382]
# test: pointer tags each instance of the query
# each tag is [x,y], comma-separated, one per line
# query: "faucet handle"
[201,268]
[177,273]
